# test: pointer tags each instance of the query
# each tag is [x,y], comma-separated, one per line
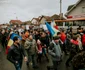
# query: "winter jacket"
[44,41]
[15,53]
[78,60]
[55,51]
[74,47]
[63,37]
[31,46]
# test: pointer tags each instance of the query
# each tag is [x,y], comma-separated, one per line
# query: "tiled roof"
[55,17]
[48,18]
[27,22]
[36,19]
[16,22]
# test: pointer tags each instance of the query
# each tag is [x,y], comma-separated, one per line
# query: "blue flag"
[50,29]
[13,35]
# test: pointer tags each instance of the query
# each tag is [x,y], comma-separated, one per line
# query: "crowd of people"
[39,43]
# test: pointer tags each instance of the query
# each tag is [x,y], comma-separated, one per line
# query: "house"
[4,25]
[14,22]
[50,18]
[44,19]
[27,23]
[35,21]
[76,11]
[57,17]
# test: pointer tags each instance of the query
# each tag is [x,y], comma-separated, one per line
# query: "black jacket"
[15,53]
[45,40]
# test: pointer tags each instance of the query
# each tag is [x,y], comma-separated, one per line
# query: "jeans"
[18,65]
[32,58]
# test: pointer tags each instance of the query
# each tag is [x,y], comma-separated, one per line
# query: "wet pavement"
[6,65]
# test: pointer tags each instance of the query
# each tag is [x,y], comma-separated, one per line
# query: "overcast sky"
[27,9]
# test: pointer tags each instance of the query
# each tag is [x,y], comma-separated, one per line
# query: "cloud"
[27,9]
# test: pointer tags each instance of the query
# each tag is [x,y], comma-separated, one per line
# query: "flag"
[54,27]
[50,29]
[56,31]
[14,35]
[53,24]
[10,42]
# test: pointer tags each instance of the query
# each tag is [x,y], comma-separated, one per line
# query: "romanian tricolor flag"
[53,29]
[10,42]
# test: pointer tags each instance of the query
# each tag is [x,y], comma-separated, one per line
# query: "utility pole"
[60,9]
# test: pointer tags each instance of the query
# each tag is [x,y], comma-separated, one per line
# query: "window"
[83,9]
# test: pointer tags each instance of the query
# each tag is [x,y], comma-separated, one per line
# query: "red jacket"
[83,40]
[63,37]
[74,42]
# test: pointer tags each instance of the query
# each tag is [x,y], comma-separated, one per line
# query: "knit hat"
[55,38]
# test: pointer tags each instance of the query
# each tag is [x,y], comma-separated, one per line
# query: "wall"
[77,11]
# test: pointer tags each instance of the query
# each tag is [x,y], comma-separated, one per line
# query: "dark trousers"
[44,52]
[64,48]
[55,65]
[69,59]
[4,43]
[84,47]
[75,68]
[31,58]
[39,57]
[18,65]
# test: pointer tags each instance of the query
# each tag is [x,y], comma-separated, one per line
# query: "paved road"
[6,65]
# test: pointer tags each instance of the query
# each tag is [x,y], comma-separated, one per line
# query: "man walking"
[30,46]
[16,53]
[55,52]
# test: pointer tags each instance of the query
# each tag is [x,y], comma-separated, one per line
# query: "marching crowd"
[38,43]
